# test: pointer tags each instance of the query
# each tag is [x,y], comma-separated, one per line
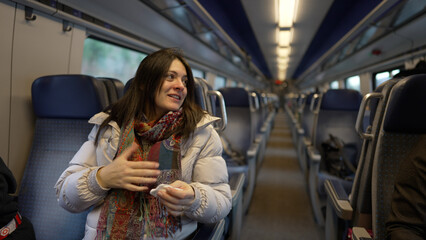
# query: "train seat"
[257,113]
[238,138]
[127,85]
[270,112]
[207,98]
[114,88]
[343,211]
[400,133]
[304,130]
[62,105]
[119,86]
[337,116]
[293,102]
[356,210]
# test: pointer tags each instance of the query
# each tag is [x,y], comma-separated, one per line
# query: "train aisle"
[280,207]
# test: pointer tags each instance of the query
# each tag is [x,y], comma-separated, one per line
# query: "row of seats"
[316,116]
[64,103]
[389,125]
[244,130]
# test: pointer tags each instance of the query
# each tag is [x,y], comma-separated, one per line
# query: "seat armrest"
[265,127]
[307,141]
[314,154]
[252,151]
[236,182]
[300,130]
[339,199]
[259,137]
[359,233]
[212,231]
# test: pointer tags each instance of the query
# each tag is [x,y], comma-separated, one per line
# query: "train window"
[219,82]
[231,83]
[102,59]
[366,37]
[353,83]
[382,77]
[411,8]
[334,85]
[198,73]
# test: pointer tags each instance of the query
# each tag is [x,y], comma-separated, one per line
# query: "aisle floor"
[280,207]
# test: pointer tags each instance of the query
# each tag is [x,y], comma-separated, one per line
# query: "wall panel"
[40,48]
[7,16]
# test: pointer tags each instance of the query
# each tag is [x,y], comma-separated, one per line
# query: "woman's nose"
[179,84]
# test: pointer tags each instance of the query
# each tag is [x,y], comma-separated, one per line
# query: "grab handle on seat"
[222,109]
[315,103]
[360,118]
[255,100]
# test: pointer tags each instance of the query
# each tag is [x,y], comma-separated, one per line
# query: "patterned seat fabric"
[62,104]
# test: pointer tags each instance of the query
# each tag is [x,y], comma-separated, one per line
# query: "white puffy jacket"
[202,167]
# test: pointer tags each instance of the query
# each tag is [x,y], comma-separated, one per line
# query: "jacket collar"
[100,117]
[207,120]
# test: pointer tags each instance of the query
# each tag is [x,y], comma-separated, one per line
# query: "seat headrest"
[200,98]
[66,96]
[127,85]
[309,99]
[406,112]
[235,97]
[341,99]
[374,102]
[118,85]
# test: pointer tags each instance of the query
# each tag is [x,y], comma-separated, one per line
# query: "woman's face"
[172,93]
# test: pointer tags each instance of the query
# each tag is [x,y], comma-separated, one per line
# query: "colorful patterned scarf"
[130,215]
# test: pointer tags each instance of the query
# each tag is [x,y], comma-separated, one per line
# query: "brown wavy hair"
[139,99]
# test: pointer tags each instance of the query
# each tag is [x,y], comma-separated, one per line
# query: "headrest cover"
[406,112]
[66,96]
[235,97]
[341,99]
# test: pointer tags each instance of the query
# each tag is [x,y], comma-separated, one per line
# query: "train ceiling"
[318,25]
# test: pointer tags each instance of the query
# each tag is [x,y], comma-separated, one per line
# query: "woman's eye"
[170,76]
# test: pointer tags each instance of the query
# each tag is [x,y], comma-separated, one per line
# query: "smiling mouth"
[177,97]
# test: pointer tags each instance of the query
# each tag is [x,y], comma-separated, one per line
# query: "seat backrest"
[361,189]
[240,129]
[307,116]
[114,88]
[200,94]
[127,85]
[119,86]
[402,128]
[110,87]
[337,116]
[62,105]
[258,110]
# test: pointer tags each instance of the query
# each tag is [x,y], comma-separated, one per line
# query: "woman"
[156,134]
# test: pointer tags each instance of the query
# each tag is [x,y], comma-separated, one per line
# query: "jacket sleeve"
[213,199]
[407,217]
[77,188]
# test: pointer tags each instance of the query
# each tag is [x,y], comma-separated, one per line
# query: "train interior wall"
[24,58]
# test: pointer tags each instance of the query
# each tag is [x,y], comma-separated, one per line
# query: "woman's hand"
[130,175]
[177,200]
